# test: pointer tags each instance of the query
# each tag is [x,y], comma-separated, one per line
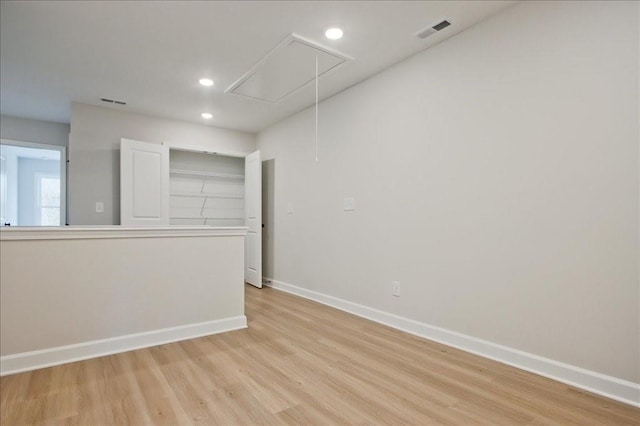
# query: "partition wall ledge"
[116,231]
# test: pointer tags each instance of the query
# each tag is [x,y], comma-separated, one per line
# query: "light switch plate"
[99,207]
[289,208]
[349,204]
[395,288]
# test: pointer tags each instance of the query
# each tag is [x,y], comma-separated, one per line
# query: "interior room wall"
[36,131]
[94,154]
[495,177]
[114,290]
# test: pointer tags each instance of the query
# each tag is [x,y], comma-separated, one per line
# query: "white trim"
[601,384]
[115,231]
[27,361]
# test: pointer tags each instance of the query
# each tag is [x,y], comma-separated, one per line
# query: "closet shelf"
[206,217]
[204,195]
[205,174]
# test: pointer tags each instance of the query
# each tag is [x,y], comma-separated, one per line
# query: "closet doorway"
[162,185]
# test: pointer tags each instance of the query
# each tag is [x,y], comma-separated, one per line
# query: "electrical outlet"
[395,288]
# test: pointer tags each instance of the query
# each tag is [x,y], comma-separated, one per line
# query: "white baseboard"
[26,361]
[601,384]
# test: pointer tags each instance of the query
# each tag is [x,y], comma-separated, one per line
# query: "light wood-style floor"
[298,363]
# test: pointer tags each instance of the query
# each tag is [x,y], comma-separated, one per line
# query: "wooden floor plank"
[299,363]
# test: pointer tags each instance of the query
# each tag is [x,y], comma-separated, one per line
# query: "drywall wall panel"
[36,131]
[94,154]
[111,282]
[495,176]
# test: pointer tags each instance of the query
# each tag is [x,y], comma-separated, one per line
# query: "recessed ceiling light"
[206,115]
[206,82]
[333,33]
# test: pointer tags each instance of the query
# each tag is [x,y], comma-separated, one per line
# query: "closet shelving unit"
[205,175]
[219,201]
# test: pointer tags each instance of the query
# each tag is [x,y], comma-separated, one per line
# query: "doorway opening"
[268,222]
[32,184]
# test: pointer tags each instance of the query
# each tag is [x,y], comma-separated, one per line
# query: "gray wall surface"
[94,154]
[495,177]
[36,131]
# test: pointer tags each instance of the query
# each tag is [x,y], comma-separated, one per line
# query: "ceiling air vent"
[111,101]
[433,28]
[290,66]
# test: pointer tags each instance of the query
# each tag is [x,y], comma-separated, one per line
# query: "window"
[48,203]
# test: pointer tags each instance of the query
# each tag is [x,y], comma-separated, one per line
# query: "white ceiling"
[152,53]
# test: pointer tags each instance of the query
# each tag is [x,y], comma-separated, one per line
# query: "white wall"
[133,287]
[36,131]
[94,154]
[495,176]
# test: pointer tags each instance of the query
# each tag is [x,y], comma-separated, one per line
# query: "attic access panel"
[287,68]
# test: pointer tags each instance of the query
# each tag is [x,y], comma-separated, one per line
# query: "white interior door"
[144,183]
[253,219]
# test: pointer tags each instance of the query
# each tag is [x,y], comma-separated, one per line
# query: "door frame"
[63,169]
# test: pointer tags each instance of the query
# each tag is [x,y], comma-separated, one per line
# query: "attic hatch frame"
[291,38]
